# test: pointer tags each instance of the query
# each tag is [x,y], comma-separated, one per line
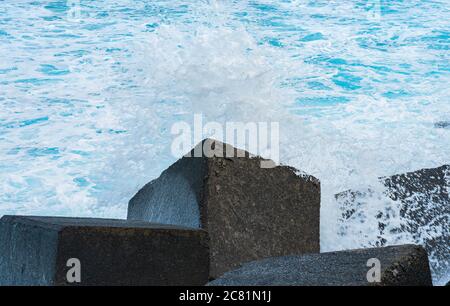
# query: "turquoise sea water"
[90,89]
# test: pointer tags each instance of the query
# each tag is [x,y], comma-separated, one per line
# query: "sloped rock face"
[35,251]
[398,266]
[250,212]
[424,207]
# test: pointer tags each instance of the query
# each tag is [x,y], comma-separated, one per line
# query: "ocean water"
[90,89]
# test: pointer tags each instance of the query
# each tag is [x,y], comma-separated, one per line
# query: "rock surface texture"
[399,265]
[36,251]
[424,207]
[250,212]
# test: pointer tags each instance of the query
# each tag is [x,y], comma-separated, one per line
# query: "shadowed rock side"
[424,201]
[249,212]
[399,265]
[35,251]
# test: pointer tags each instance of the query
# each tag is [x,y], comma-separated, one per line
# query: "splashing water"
[87,103]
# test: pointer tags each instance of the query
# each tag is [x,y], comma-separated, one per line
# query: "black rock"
[399,266]
[250,212]
[442,125]
[36,251]
[424,201]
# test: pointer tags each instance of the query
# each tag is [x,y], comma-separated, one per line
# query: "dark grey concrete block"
[35,251]
[399,266]
[424,201]
[250,212]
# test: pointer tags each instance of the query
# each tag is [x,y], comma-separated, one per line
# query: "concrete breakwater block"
[397,266]
[84,251]
[424,207]
[249,212]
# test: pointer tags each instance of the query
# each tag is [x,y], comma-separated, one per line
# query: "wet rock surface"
[250,212]
[36,250]
[399,265]
[424,208]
